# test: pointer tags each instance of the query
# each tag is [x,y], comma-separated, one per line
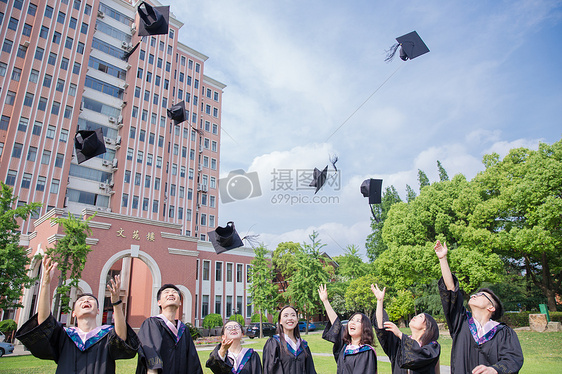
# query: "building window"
[46,157]
[51,130]
[239,273]
[41,181]
[11,177]
[59,161]
[204,306]
[135,202]
[218,304]
[63,135]
[125,200]
[218,271]
[228,306]
[155,206]
[145,204]
[26,180]
[37,127]
[206,266]
[31,154]
[16,151]
[239,305]
[55,186]
[229,272]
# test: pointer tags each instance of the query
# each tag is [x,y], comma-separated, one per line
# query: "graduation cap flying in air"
[88,144]
[177,112]
[372,189]
[319,178]
[152,21]
[225,238]
[411,46]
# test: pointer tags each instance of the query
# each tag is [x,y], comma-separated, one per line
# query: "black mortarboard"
[319,178]
[177,112]
[153,20]
[372,188]
[411,46]
[88,144]
[225,238]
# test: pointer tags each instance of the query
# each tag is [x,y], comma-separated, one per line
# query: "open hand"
[48,269]
[440,249]
[389,326]
[378,293]
[481,369]
[114,287]
[323,292]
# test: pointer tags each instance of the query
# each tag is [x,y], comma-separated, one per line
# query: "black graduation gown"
[160,351]
[406,354]
[363,361]
[251,363]
[277,360]
[50,341]
[502,351]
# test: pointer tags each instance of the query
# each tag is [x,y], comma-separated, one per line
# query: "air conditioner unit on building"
[200,150]
[103,186]
[120,119]
[108,141]
[204,188]
[118,140]
[112,119]
[200,168]
[125,86]
[199,186]
[124,104]
[106,162]
[26,43]
[125,45]
[81,106]
[114,164]
[133,28]
[100,14]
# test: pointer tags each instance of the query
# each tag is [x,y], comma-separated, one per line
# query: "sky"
[307,80]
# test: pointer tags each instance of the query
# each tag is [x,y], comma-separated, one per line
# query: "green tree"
[336,295]
[284,261]
[422,179]
[400,306]
[521,213]
[264,292]
[359,297]
[410,194]
[70,252]
[443,176]
[309,274]
[13,257]
[351,266]
[375,244]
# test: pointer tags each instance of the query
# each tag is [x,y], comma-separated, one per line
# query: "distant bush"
[256,318]
[8,326]
[212,320]
[238,318]
[521,319]
[193,331]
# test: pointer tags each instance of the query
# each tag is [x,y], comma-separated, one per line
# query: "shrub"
[238,318]
[8,325]
[193,331]
[256,318]
[212,320]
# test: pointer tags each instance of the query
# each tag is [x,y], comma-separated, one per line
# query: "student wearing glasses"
[481,345]
[230,357]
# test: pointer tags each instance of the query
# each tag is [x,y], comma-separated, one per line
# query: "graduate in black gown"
[285,352]
[415,354]
[86,348]
[166,344]
[229,356]
[480,344]
[353,344]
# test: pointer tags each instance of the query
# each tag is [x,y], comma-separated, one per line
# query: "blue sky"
[296,71]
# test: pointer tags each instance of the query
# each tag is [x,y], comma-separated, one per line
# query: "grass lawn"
[542,351]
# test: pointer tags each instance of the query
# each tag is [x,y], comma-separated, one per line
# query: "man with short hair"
[86,348]
[480,344]
[166,344]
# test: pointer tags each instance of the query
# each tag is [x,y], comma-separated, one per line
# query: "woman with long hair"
[353,344]
[229,356]
[415,354]
[285,352]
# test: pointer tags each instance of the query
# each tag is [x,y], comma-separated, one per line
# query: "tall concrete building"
[155,190]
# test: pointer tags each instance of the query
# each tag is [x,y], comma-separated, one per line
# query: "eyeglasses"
[486,296]
[232,327]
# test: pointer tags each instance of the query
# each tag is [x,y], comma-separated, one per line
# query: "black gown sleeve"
[272,357]
[193,362]
[123,349]
[415,357]
[255,364]
[150,337]
[452,301]
[510,353]
[217,364]
[389,342]
[334,333]
[309,362]
[42,340]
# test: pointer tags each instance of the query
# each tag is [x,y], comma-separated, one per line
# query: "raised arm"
[44,303]
[323,293]
[380,307]
[441,252]
[118,315]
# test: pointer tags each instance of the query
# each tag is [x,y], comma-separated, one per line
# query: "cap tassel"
[129,53]
[391,52]
[333,160]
